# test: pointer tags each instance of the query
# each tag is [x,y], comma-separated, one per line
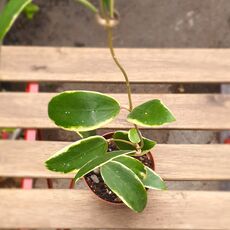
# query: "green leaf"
[99,161]
[88,5]
[76,155]
[82,110]
[133,136]
[87,133]
[125,184]
[153,180]
[148,177]
[30,10]
[135,165]
[151,113]
[9,14]
[148,144]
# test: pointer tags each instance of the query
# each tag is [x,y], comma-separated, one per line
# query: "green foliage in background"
[31,10]
[12,10]
[9,14]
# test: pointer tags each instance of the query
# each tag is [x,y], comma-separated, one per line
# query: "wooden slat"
[79,209]
[95,65]
[173,162]
[193,111]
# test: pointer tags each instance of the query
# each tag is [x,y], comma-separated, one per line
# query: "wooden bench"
[63,208]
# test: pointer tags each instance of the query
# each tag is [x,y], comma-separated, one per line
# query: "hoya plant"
[118,167]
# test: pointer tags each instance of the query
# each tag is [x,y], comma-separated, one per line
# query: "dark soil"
[97,185]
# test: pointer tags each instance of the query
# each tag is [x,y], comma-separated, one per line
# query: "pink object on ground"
[4,135]
[227,141]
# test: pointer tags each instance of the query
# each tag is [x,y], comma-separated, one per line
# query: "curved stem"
[89,5]
[140,136]
[110,44]
[125,108]
[112,52]
[124,141]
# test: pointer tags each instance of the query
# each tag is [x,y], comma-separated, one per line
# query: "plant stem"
[89,5]
[125,108]
[140,136]
[124,141]
[102,9]
[110,45]
[111,8]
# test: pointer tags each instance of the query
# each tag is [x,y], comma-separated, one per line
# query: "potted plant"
[118,167]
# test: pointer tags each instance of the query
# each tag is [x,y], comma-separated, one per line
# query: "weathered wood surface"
[80,209]
[42,64]
[193,111]
[173,162]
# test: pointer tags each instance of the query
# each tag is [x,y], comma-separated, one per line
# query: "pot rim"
[149,154]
